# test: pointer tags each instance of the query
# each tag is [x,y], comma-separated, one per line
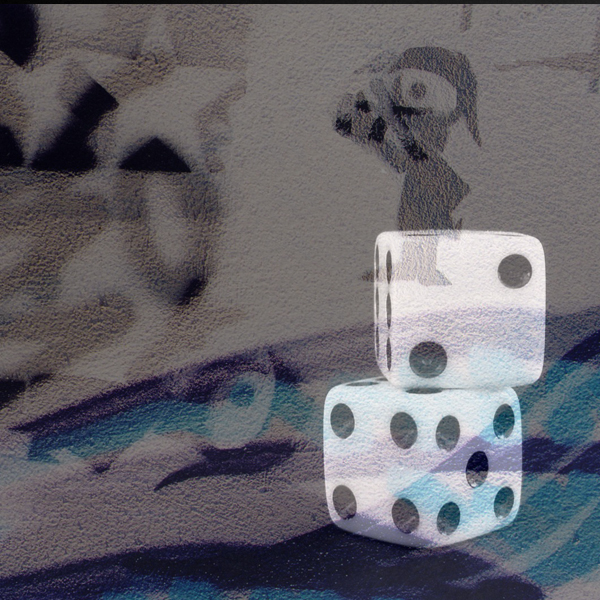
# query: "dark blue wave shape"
[588,461]
[195,384]
[329,560]
[325,561]
[251,458]
[586,350]
[541,454]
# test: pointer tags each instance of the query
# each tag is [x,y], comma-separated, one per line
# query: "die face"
[421,469]
[459,309]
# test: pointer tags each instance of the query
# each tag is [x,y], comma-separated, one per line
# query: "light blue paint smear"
[140,587]
[579,555]
[573,422]
[124,429]
[560,514]
[569,393]
[550,506]
[557,372]
[551,516]
[299,411]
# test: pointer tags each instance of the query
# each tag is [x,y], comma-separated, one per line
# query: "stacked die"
[430,454]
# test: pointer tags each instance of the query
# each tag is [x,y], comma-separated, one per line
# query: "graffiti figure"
[405,117]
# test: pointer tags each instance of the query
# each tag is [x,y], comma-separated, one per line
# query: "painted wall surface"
[186,246]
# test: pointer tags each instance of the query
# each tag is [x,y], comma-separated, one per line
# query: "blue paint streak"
[120,431]
[571,419]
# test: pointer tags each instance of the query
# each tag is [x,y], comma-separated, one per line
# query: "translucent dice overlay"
[459,309]
[421,467]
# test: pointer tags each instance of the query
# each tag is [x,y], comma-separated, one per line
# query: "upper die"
[459,309]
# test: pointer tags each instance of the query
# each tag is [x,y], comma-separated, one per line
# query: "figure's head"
[430,89]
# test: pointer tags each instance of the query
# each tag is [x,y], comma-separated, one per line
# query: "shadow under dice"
[460,309]
[421,467]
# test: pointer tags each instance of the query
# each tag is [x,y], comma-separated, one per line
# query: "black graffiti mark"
[377,132]
[466,17]
[253,457]
[408,130]
[39,378]
[587,63]
[155,155]
[363,105]
[585,350]
[101,466]
[414,150]
[70,150]
[18,31]
[343,125]
[10,389]
[193,289]
[10,153]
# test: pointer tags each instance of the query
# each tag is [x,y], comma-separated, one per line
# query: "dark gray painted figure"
[414,99]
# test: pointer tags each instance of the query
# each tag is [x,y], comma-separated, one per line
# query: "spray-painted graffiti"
[413,101]
[148,442]
[109,208]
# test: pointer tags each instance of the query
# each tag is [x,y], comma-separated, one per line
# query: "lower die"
[421,467]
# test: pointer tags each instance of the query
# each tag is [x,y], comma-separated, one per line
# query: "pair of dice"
[431,453]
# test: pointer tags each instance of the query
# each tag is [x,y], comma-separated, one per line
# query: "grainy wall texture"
[187,226]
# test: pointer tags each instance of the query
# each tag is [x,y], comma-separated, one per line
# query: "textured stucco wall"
[114,274]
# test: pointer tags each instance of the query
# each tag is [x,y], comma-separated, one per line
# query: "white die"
[459,309]
[421,469]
